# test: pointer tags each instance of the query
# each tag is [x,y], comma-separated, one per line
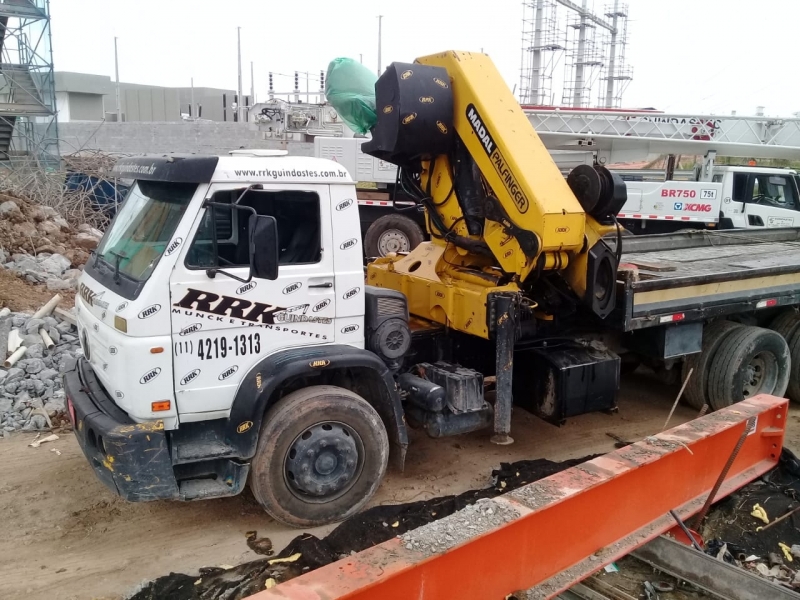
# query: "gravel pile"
[472,520]
[53,270]
[32,387]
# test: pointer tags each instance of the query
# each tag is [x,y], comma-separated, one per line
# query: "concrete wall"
[85,107]
[183,137]
[152,104]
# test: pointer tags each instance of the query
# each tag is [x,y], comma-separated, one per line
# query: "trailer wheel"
[748,362]
[696,392]
[786,323]
[392,233]
[793,389]
[321,456]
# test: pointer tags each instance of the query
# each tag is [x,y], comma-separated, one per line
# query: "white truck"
[740,197]
[229,337]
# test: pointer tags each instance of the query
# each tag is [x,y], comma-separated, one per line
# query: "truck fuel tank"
[557,383]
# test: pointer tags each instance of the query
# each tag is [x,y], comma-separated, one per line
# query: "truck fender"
[256,393]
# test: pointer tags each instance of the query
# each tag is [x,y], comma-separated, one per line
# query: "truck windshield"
[144,227]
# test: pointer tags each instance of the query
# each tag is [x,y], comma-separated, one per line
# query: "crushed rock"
[469,522]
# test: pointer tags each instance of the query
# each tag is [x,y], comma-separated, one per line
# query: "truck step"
[202,489]
[201,450]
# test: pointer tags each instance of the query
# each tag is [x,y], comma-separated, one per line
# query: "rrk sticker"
[150,375]
[321,304]
[190,377]
[344,204]
[348,244]
[149,311]
[228,372]
[191,328]
[292,287]
[246,288]
[174,245]
[350,328]
[350,293]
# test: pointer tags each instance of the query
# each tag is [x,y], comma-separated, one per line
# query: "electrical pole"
[239,97]
[252,85]
[612,56]
[580,61]
[380,20]
[191,101]
[116,71]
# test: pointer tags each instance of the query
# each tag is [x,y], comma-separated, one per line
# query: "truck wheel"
[793,389]
[696,392]
[748,362]
[321,455]
[392,233]
[786,323]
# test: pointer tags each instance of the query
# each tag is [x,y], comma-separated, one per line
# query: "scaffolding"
[542,48]
[28,124]
[616,72]
[591,48]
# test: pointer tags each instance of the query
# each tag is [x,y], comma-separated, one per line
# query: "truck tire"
[748,362]
[793,389]
[786,323]
[392,233]
[696,392]
[321,455]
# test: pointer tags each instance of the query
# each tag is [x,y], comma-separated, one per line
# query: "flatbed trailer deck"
[699,275]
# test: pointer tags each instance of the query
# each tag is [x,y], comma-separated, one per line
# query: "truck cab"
[758,197]
[734,197]
[223,285]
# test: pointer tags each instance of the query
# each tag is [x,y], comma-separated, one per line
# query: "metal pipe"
[505,319]
[577,98]
[239,89]
[537,87]
[380,36]
[612,55]
[116,73]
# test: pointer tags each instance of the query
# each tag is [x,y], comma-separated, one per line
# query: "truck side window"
[739,187]
[774,190]
[298,217]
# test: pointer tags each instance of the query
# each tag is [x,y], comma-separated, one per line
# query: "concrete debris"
[53,270]
[472,520]
[31,391]
[40,245]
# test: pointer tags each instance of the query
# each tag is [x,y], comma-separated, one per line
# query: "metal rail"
[623,135]
[557,531]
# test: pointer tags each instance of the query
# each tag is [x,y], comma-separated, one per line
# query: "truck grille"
[391,306]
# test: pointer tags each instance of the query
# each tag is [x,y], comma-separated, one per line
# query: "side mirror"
[263,247]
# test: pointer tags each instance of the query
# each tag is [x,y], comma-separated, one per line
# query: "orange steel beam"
[560,529]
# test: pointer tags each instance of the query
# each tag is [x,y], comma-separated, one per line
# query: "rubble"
[39,244]
[31,391]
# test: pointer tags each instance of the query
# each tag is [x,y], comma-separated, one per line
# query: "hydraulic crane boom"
[499,211]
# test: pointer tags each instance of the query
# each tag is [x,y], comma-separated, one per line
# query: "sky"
[688,56]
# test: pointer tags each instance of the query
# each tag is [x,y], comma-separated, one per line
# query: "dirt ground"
[19,295]
[64,536]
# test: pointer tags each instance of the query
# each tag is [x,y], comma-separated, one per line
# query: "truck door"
[771,201]
[222,327]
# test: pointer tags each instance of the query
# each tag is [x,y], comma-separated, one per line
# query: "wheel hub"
[758,377]
[322,461]
[393,240]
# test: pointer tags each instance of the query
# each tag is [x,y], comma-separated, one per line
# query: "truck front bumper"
[131,459]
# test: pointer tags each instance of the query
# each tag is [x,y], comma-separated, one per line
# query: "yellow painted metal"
[455,295]
[450,285]
[513,161]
